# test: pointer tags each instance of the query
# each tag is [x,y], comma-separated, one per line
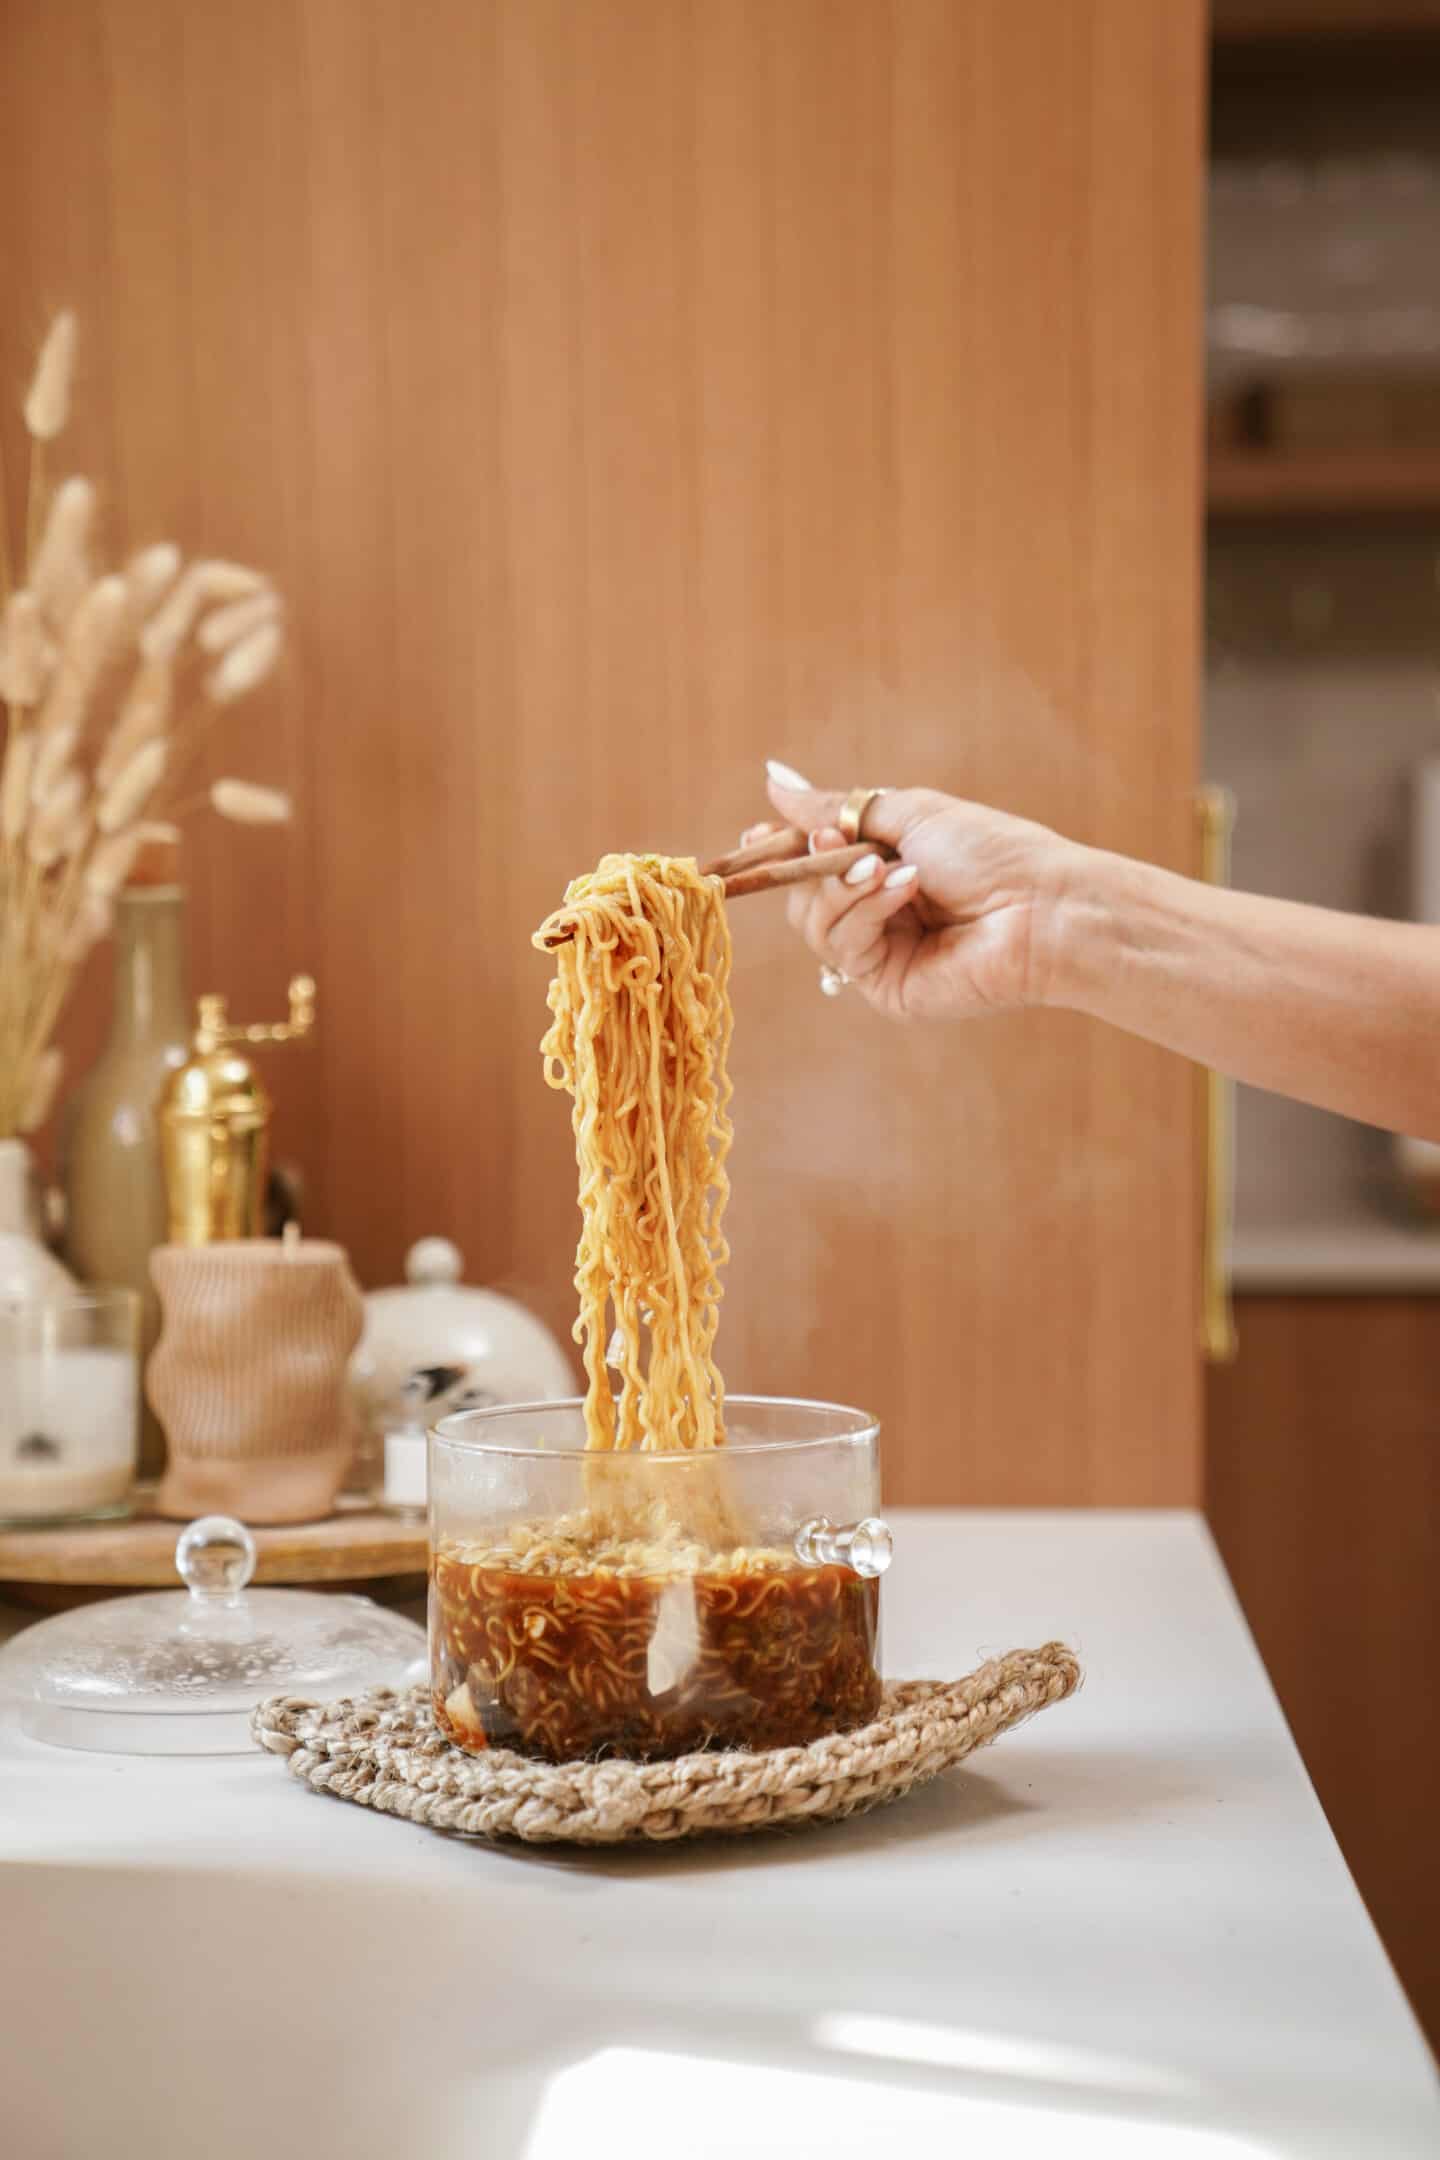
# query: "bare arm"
[987,912]
[1338,1010]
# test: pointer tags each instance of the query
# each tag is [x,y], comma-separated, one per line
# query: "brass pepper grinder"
[215,1123]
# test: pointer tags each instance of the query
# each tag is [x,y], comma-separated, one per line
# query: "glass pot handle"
[868,1547]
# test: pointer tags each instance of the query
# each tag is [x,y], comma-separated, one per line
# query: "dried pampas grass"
[245,666]
[60,571]
[103,681]
[144,713]
[133,785]
[57,828]
[227,625]
[54,748]
[115,857]
[245,804]
[148,577]
[47,403]
[27,653]
[91,643]
[92,919]
[200,586]
[15,785]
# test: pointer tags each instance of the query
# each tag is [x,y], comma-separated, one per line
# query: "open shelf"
[1243,20]
[1323,483]
[1362,1256]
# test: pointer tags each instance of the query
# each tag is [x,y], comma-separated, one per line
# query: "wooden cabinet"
[1323,1477]
[621,393]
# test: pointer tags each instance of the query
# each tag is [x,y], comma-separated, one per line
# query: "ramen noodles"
[647,1622]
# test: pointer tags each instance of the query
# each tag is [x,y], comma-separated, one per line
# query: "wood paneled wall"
[621,392]
[1323,1477]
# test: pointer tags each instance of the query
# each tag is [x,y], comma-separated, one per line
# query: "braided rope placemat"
[383,1751]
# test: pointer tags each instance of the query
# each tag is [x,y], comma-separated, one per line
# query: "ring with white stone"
[832,979]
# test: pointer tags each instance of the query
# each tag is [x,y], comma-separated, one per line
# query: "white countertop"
[1124,1931]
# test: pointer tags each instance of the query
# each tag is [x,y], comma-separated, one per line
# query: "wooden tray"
[359,1548]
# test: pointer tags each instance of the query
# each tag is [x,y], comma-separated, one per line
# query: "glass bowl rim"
[868,1431]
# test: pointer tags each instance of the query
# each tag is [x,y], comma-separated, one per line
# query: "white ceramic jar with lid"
[436,1344]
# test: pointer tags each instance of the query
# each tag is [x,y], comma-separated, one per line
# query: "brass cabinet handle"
[1215,811]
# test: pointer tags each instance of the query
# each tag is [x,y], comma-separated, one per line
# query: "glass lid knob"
[868,1547]
[216,1559]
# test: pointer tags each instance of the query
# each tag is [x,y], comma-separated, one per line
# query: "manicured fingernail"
[860,873]
[905,875]
[785,775]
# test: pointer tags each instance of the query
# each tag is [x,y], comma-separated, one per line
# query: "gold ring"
[851,820]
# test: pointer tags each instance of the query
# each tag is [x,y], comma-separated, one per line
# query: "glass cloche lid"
[178,1672]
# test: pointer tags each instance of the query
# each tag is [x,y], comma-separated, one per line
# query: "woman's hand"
[964,922]
[983,911]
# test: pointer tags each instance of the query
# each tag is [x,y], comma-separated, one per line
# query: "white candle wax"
[68,1428]
[406,1480]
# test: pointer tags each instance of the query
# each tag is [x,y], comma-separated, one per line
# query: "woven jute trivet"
[383,1751]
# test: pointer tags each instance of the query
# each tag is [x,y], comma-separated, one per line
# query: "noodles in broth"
[565,1637]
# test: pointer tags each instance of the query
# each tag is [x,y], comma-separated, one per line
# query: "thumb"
[810,809]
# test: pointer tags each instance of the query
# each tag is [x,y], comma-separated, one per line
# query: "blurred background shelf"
[1323,658]
[1301,24]
[1323,483]
[1360,1257]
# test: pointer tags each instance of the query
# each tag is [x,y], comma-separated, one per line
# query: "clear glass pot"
[585,1603]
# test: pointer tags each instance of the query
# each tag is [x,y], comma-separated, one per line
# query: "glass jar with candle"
[69,1406]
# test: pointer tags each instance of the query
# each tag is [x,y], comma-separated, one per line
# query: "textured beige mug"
[249,1377]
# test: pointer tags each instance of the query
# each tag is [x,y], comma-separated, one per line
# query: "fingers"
[828,836]
[845,920]
[890,817]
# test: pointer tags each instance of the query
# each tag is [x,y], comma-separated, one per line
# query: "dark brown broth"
[572,1665]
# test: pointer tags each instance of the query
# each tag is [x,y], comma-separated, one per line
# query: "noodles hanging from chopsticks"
[639,1038]
[665,1609]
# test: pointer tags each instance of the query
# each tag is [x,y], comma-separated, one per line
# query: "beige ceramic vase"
[249,1377]
[114,1193]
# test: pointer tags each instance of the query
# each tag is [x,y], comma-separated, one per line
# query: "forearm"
[1338,1010]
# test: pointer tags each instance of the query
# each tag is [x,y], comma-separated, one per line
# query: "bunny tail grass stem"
[16,980]
[51,981]
[7,561]
[34,501]
[44,1086]
[187,746]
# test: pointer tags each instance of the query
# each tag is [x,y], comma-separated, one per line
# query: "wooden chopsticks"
[780,859]
[787,845]
[764,868]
